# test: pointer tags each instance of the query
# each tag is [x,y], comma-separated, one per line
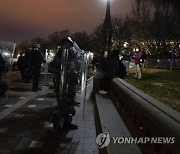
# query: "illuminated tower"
[107,30]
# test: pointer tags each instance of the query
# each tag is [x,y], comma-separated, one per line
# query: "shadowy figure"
[172,57]
[94,62]
[138,65]
[65,82]
[36,59]
[3,85]
[111,70]
[127,54]
[21,64]
[27,70]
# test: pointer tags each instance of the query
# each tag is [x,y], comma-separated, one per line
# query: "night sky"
[25,19]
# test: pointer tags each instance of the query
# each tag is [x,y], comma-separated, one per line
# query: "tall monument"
[107,30]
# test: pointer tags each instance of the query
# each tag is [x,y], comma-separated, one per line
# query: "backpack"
[122,70]
[3,87]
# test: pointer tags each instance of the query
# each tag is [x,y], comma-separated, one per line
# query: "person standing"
[3,85]
[21,64]
[137,60]
[36,59]
[2,65]
[27,72]
[111,70]
[69,77]
[172,57]
[94,62]
[127,54]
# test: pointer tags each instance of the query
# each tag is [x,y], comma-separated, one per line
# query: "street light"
[107,30]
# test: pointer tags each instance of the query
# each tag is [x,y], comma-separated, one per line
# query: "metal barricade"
[6,52]
[72,64]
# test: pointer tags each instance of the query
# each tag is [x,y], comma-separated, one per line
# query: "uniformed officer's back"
[36,59]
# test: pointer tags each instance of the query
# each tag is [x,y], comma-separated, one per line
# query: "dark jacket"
[2,64]
[127,54]
[55,65]
[22,62]
[36,59]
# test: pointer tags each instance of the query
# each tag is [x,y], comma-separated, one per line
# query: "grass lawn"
[163,85]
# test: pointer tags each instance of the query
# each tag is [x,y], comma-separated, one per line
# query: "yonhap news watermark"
[144,140]
[104,139]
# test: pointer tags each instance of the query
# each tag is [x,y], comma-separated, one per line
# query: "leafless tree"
[82,39]
[55,37]
[96,39]
[23,46]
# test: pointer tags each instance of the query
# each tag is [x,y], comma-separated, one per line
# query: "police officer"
[21,64]
[71,79]
[3,85]
[27,72]
[36,59]
[2,65]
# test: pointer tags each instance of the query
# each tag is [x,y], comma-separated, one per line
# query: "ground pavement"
[26,127]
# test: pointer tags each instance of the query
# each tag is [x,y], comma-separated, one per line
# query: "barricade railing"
[146,117]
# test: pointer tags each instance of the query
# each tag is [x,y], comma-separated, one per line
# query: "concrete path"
[26,127]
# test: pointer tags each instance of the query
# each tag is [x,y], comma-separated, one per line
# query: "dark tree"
[23,46]
[96,39]
[55,37]
[82,39]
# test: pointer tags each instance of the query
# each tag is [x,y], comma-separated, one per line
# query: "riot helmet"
[67,42]
[36,47]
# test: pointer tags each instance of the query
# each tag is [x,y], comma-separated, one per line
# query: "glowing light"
[51,54]
[7,54]
[106,0]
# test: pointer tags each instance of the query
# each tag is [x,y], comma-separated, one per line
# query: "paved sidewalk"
[26,128]
[83,140]
[109,121]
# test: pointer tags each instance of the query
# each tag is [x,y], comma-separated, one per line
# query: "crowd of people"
[114,66]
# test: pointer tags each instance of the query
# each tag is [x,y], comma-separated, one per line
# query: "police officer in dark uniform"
[2,65]
[3,69]
[71,80]
[21,64]
[27,71]
[36,59]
